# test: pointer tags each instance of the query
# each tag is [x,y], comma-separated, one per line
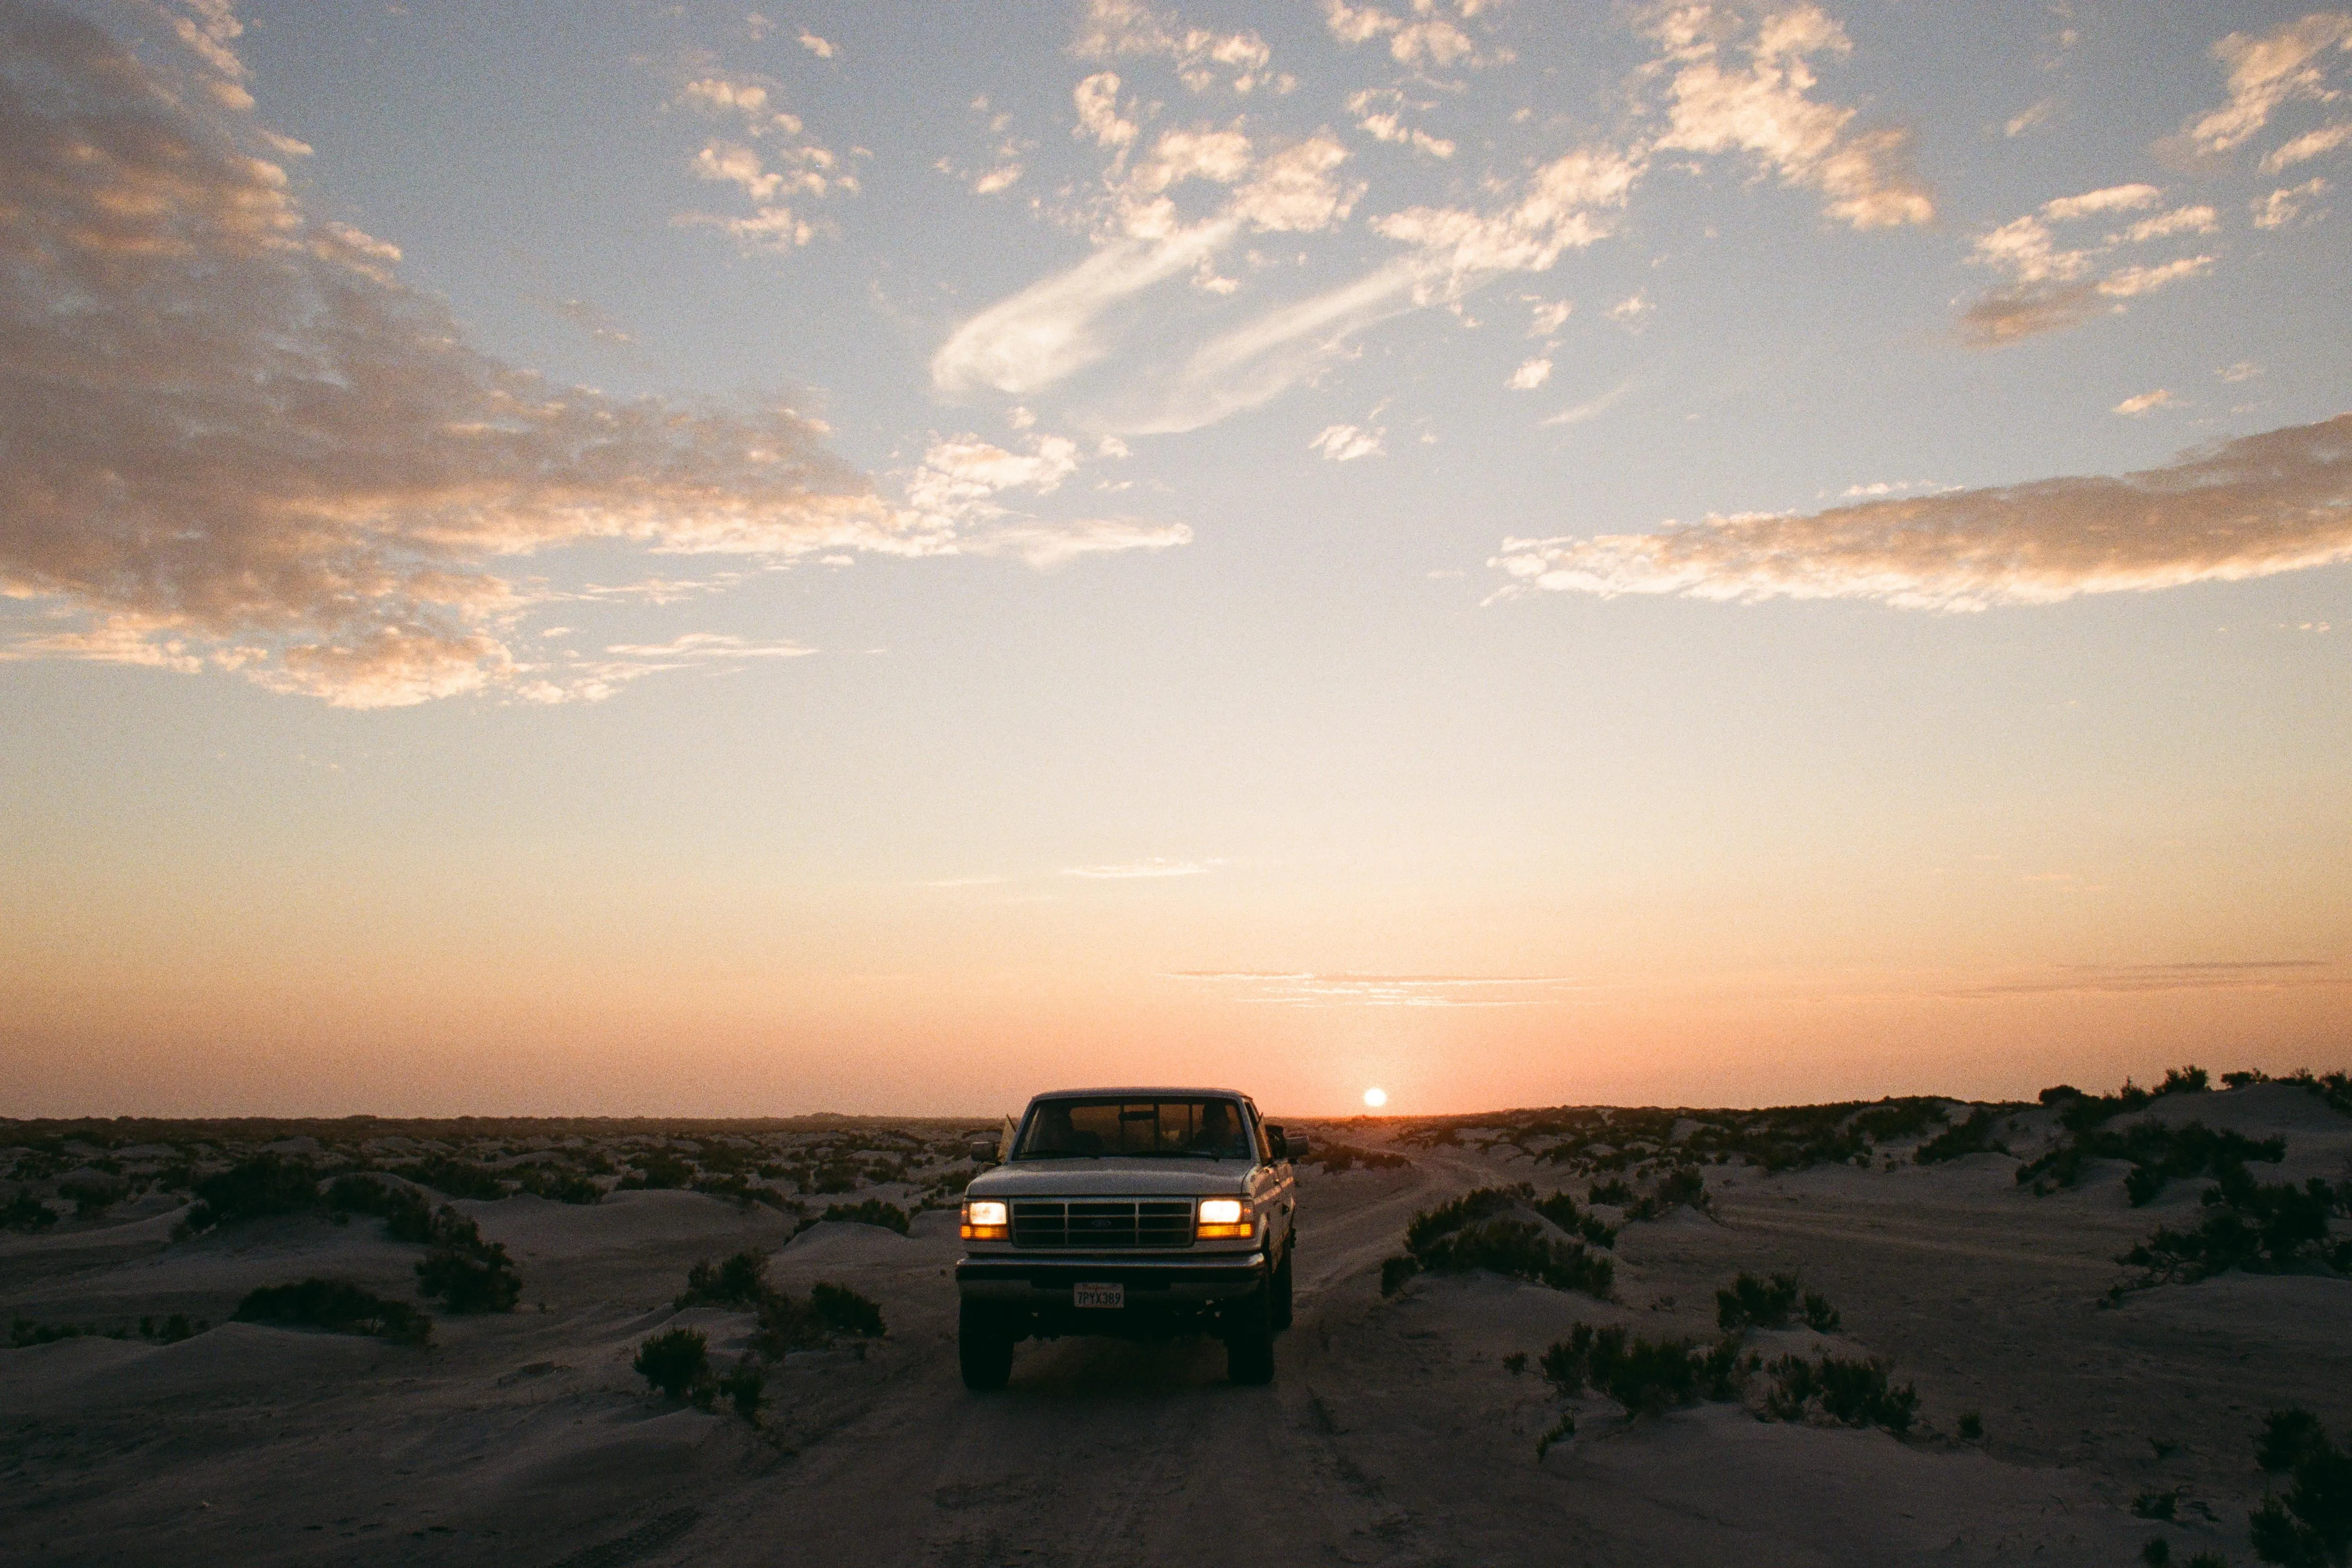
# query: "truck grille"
[1104,1224]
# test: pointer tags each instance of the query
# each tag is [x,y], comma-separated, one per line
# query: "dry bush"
[674,1362]
[2310,1524]
[1856,1393]
[337,1305]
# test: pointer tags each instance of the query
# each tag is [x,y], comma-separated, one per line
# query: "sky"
[668,558]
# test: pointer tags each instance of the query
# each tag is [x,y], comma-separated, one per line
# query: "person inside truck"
[1219,1133]
[1053,1134]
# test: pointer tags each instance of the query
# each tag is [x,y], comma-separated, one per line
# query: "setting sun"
[1376,1098]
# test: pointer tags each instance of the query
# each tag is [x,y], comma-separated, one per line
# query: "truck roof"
[1132,1091]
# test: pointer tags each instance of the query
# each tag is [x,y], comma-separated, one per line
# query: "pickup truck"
[1141,1213]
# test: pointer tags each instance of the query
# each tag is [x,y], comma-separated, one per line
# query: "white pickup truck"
[1141,1213]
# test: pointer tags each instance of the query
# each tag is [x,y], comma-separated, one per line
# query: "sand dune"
[1397,1431]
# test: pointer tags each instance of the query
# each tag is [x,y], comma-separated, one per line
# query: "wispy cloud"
[768,156]
[1202,57]
[1346,443]
[2132,979]
[2287,204]
[1591,408]
[2145,403]
[1134,871]
[1307,989]
[2250,508]
[2266,73]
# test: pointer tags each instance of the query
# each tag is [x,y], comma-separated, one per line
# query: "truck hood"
[1112,1176]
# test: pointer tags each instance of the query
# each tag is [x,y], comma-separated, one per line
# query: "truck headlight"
[1224,1217]
[984,1219]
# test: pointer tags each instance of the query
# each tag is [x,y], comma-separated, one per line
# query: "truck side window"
[1257,1131]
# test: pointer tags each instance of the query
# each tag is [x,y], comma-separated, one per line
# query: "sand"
[1394,1433]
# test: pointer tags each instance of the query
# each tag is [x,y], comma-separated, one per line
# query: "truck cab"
[1140,1213]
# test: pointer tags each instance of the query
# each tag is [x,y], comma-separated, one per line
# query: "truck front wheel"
[1249,1338]
[983,1348]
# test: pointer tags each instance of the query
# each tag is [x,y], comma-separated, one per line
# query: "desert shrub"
[1971,1427]
[172,1330]
[266,1185]
[746,1388]
[1973,1136]
[2184,1081]
[27,1213]
[562,1186]
[2156,1502]
[843,1310]
[24,1331]
[1750,1302]
[830,1311]
[1469,1208]
[1683,1186]
[2158,1152]
[674,1360]
[455,1178]
[337,1305]
[2241,1080]
[1856,1393]
[91,1199]
[660,1171]
[1560,1431]
[2059,1094]
[2263,1229]
[1899,1119]
[407,1215]
[1518,1248]
[741,1281]
[2287,1436]
[1644,1375]
[1516,1363]
[873,1211]
[470,1275]
[1395,1271]
[1613,1192]
[1820,1316]
[1561,1209]
[2310,1525]
[2335,1088]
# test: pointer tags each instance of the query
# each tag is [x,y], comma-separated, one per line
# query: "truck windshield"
[1074,1129]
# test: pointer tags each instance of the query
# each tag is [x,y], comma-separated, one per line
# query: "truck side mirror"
[984,1151]
[1285,1145]
[1298,1146]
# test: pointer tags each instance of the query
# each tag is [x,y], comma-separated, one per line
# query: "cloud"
[1761,106]
[2253,507]
[235,438]
[2309,145]
[2027,119]
[2244,370]
[955,487]
[1547,316]
[1308,989]
[1577,413]
[2046,291]
[2144,404]
[816,46]
[1027,341]
[775,159]
[2114,198]
[1134,871]
[2132,979]
[1378,112]
[1346,443]
[2282,207]
[1530,374]
[2267,73]
[1428,38]
[2179,220]
[1566,204]
[1201,57]
[1097,104]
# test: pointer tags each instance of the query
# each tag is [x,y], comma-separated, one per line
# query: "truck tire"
[983,1348]
[1249,1338]
[1281,1290]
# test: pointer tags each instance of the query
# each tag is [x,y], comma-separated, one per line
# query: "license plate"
[1099,1295]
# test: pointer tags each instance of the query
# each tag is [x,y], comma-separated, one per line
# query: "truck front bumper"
[1167,1284]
